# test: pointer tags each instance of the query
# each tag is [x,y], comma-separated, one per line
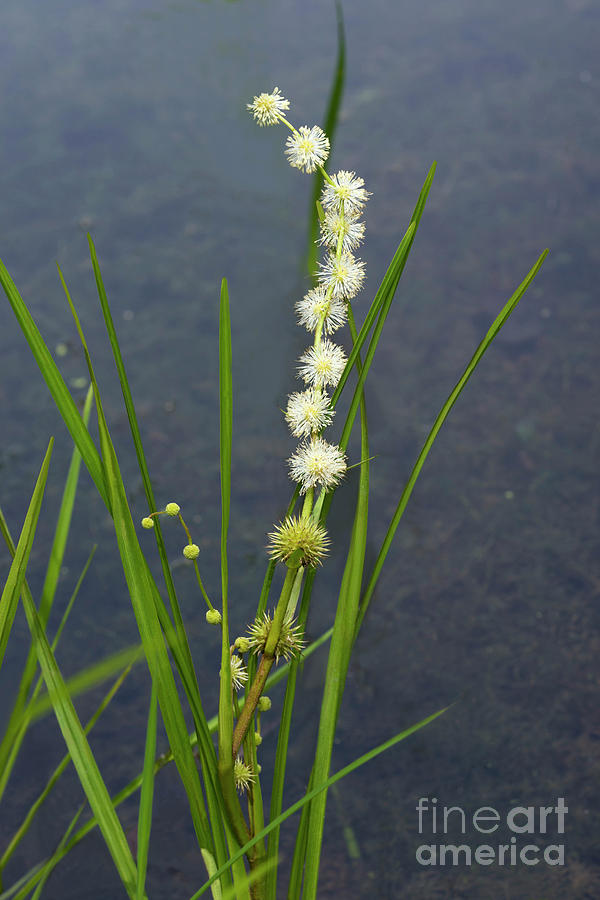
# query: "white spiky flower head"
[308,412]
[344,275]
[242,775]
[346,193]
[301,534]
[317,462]
[322,365]
[268,108]
[316,307]
[239,673]
[336,225]
[307,148]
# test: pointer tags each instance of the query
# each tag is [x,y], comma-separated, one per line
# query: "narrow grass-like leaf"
[177,639]
[297,869]
[56,385]
[339,654]
[244,883]
[351,767]
[42,884]
[152,640]
[16,575]
[58,771]
[81,754]
[19,723]
[225,438]
[283,738]
[7,745]
[211,868]
[23,886]
[140,585]
[441,418]
[225,431]
[146,797]
[77,684]
[225,765]
[91,677]
[142,464]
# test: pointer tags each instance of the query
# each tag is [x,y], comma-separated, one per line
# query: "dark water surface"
[127,118]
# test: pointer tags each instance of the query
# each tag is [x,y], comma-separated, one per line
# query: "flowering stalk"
[301,541]
[323,309]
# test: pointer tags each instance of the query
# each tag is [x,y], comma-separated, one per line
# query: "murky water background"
[128,119]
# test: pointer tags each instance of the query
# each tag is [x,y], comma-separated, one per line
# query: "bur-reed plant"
[219,762]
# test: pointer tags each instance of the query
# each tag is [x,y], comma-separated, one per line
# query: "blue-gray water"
[127,119]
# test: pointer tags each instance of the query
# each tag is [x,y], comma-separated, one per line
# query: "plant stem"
[267,660]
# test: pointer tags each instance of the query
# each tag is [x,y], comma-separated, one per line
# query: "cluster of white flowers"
[317,463]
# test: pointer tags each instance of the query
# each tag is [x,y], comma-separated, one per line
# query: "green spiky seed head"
[172,509]
[264,704]
[242,775]
[147,522]
[297,534]
[290,641]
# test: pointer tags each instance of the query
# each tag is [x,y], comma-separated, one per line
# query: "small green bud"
[213,617]
[147,522]
[172,509]
[257,739]
[191,551]
[242,644]
[264,704]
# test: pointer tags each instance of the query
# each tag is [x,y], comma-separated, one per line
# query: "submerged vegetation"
[218,763]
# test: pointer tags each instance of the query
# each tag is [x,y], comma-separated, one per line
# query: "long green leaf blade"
[341,648]
[177,638]
[225,766]
[58,771]
[7,745]
[16,575]
[56,385]
[152,639]
[81,754]
[141,591]
[146,797]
